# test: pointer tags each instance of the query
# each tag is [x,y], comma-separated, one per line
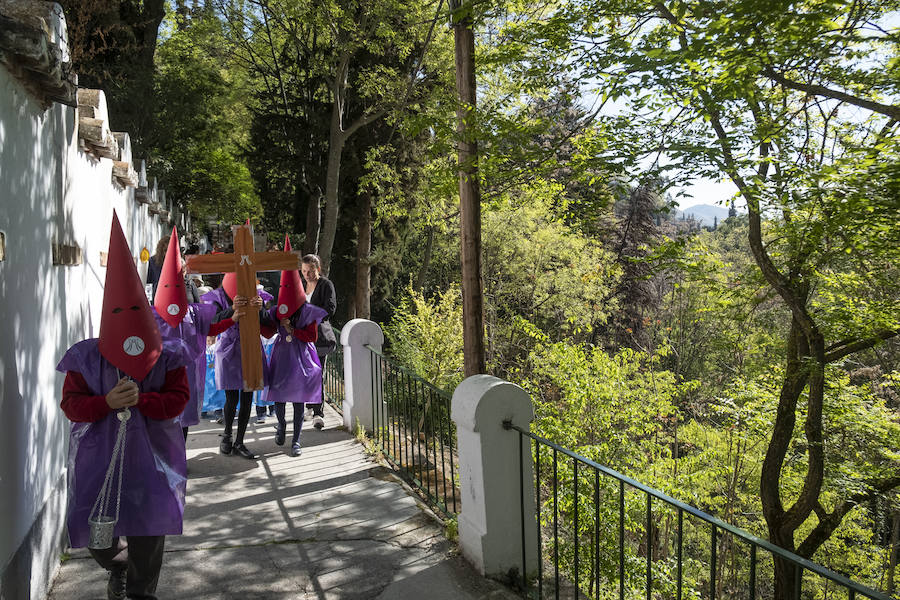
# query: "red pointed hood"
[291,294]
[129,336]
[171,300]
[229,284]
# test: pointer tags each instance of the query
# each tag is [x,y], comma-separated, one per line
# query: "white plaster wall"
[49,191]
[32,447]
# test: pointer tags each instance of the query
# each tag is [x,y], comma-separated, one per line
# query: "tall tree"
[328,47]
[793,104]
[469,193]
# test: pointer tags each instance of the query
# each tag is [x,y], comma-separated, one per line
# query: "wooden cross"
[245,263]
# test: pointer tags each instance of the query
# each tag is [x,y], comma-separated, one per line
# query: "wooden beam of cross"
[245,263]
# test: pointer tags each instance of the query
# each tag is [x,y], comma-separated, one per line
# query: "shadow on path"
[328,524]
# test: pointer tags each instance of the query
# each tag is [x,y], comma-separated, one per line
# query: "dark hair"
[312,259]
[162,246]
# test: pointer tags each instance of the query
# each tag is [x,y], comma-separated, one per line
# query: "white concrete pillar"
[358,372]
[490,523]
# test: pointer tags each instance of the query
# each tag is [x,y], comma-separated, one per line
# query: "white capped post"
[358,364]
[490,523]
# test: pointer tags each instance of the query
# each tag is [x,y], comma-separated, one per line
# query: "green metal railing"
[333,375]
[618,538]
[414,431]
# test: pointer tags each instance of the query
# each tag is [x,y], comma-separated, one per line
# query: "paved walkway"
[329,524]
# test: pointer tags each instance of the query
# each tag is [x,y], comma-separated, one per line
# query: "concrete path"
[329,524]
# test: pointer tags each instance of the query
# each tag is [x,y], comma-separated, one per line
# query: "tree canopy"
[732,363]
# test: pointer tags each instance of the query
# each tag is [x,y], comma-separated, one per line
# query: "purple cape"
[295,373]
[229,375]
[153,483]
[192,330]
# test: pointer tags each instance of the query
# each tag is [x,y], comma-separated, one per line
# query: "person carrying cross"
[228,369]
[239,364]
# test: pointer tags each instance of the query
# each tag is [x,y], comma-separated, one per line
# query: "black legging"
[231,402]
[299,409]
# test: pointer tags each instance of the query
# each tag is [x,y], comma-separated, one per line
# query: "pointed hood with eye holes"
[291,294]
[129,337]
[171,300]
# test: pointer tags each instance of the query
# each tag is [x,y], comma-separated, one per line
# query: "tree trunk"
[363,251]
[310,244]
[336,140]
[786,580]
[469,193]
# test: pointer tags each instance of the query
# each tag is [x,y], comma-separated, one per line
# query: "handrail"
[414,431]
[411,373]
[748,537]
[333,374]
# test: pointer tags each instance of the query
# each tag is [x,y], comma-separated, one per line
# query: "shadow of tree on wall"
[35,326]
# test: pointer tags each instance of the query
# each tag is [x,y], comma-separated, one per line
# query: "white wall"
[49,191]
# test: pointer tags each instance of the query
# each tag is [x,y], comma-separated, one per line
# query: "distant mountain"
[706,214]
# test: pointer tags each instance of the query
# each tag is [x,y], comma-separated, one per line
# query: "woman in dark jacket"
[319,292]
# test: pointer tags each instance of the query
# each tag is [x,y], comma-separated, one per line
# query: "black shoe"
[225,446]
[279,436]
[115,589]
[242,450]
[295,449]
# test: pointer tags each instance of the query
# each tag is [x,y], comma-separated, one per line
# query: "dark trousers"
[232,397]
[299,409]
[141,556]
[261,410]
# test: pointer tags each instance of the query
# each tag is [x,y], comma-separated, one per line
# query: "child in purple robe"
[295,373]
[128,375]
[191,323]
[229,375]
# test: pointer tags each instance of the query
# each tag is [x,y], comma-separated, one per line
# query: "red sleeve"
[79,403]
[217,328]
[170,400]
[310,333]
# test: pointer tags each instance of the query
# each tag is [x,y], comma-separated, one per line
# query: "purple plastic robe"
[192,330]
[295,373]
[153,483]
[229,375]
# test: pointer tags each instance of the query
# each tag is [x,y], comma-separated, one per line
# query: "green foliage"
[541,270]
[717,318]
[425,335]
[201,124]
[611,409]
[793,104]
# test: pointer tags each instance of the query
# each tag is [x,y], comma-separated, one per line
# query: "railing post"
[490,521]
[358,372]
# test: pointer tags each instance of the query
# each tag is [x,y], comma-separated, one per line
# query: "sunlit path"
[328,524]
